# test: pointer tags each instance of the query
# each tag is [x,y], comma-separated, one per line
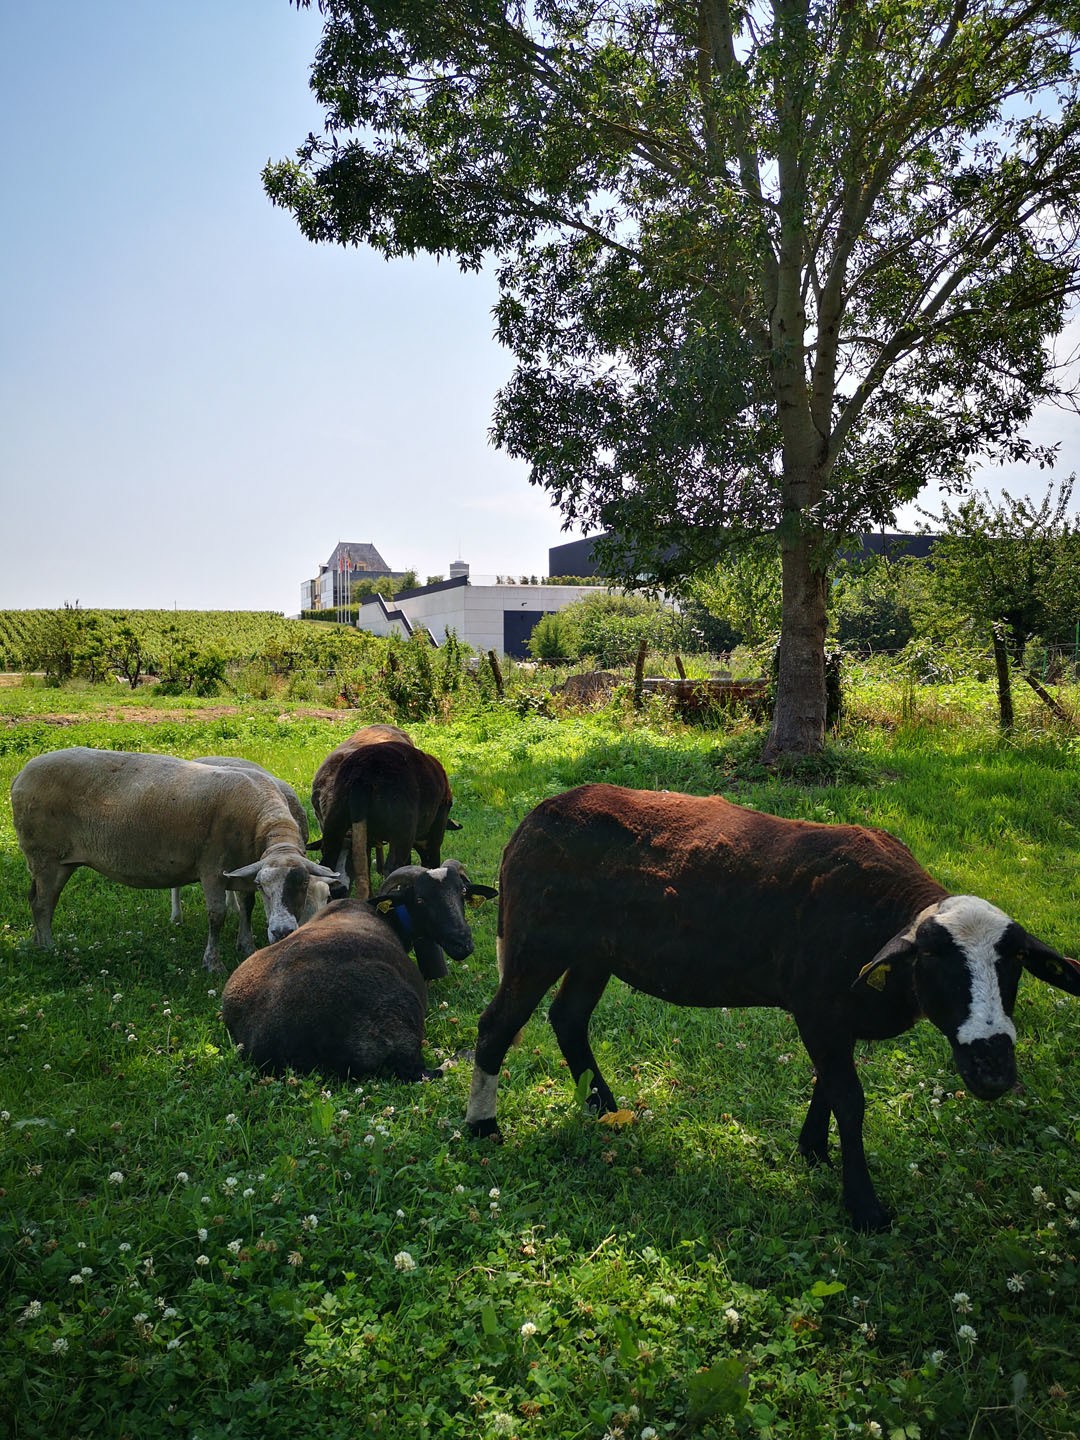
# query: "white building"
[498,617]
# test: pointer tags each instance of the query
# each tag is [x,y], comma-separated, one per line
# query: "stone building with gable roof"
[350,560]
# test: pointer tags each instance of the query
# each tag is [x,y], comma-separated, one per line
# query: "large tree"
[764,267]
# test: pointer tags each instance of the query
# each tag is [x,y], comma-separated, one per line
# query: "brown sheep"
[702,902]
[341,996]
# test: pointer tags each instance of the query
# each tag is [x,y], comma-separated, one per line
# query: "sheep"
[340,995]
[702,902]
[378,786]
[154,822]
[318,890]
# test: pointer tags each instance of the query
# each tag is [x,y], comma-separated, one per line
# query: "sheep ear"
[322,872]
[1046,964]
[244,878]
[900,948]
[477,895]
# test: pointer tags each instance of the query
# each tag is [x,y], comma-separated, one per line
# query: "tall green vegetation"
[1012,568]
[763,269]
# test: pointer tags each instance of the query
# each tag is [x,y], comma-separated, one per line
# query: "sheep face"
[966,958]
[291,892]
[434,904]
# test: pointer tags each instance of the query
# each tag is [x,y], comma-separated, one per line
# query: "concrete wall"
[475,612]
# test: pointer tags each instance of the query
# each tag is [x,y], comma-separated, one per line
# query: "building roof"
[363,555]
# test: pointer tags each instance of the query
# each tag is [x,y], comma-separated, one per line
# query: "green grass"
[190,1250]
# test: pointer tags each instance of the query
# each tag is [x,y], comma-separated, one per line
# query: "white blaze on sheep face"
[978,928]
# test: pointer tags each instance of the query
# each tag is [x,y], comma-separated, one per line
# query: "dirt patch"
[144,715]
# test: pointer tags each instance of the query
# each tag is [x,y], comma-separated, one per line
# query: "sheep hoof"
[874,1220]
[486,1130]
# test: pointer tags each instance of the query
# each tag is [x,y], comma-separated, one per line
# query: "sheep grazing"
[376,787]
[702,902]
[340,995]
[318,890]
[155,822]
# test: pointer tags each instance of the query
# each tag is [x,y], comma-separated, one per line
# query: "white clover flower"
[309,1222]
[369,1139]
[669,1301]
[117,997]
[1015,1283]
[493,1193]
[59,1345]
[968,1333]
[648,1433]
[183,1177]
[204,1199]
[400,1214]
[1039,1195]
[234,1246]
[86,1270]
[211,993]
[75,1279]
[116,1177]
[124,1247]
[873,1429]
[936,1357]
[502,1423]
[459,1189]
[32,1311]
[342,1115]
[202,1259]
[1072,1199]
[5,1116]
[173,1345]
[732,1316]
[231,1119]
[248,1193]
[169,1313]
[528,1330]
[231,1182]
[404,1261]
[202,1232]
[962,1302]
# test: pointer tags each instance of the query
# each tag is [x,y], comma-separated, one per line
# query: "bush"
[608,629]
[548,640]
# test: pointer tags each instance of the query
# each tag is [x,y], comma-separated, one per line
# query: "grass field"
[189,1249]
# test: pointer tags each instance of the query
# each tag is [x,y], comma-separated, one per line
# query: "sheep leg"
[215,895]
[578,997]
[842,1093]
[176,915]
[46,884]
[513,1003]
[244,905]
[814,1136]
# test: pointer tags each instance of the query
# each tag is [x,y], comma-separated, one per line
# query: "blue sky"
[196,404]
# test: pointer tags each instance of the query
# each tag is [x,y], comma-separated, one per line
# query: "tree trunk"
[1004,683]
[798,726]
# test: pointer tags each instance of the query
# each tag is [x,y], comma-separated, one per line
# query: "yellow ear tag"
[617,1117]
[384,906]
[874,975]
[475,901]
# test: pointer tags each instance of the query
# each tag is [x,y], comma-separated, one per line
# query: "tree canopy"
[765,268]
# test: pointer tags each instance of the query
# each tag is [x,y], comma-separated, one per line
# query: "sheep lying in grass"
[702,902]
[340,996]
